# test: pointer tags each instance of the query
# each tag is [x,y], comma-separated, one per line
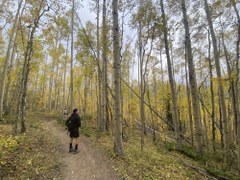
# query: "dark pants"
[74,133]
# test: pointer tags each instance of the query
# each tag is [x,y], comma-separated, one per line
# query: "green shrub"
[89,131]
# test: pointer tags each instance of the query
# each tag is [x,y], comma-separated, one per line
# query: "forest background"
[169,68]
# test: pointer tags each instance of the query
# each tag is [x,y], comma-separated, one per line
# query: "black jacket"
[76,120]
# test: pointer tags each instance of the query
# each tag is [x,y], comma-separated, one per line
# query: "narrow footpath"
[88,164]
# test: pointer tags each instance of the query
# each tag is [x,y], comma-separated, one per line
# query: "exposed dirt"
[88,164]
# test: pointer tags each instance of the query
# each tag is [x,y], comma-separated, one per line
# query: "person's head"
[75,111]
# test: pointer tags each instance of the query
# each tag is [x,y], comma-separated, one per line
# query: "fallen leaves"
[28,156]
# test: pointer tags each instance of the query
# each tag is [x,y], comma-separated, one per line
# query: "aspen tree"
[220,86]
[193,83]
[118,147]
[7,59]
[176,120]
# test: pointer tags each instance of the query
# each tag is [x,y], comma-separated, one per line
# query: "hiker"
[73,123]
[65,114]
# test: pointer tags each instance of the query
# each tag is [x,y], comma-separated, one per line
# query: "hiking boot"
[75,151]
[71,150]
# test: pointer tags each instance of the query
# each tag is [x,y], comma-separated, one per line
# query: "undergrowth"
[32,155]
[212,162]
[152,163]
[159,161]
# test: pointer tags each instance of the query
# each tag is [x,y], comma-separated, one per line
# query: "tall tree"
[8,56]
[193,83]
[220,86]
[99,109]
[212,93]
[118,147]
[71,61]
[104,69]
[236,87]
[142,89]
[27,61]
[176,120]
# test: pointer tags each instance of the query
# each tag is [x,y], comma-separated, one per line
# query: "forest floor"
[42,153]
[88,164]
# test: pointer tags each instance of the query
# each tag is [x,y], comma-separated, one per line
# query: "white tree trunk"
[189,102]
[220,86]
[71,62]
[118,147]
[237,85]
[193,83]
[176,120]
[99,106]
[212,95]
[104,70]
[64,79]
[8,56]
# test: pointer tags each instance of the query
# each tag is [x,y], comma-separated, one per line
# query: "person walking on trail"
[73,123]
[65,114]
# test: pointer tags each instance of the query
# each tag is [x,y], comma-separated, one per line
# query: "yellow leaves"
[29,161]
[19,157]
[8,143]
[224,81]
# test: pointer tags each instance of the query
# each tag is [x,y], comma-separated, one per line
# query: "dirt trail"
[88,164]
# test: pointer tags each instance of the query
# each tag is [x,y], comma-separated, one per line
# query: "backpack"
[69,123]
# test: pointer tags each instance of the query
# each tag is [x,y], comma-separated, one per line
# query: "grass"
[152,163]
[32,155]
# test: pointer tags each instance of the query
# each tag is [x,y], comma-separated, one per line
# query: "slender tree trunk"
[8,56]
[27,62]
[237,85]
[56,86]
[205,126]
[189,103]
[64,78]
[104,69]
[155,102]
[50,87]
[193,83]
[99,71]
[176,120]
[212,95]
[118,148]
[52,79]
[232,89]
[19,97]
[86,89]
[6,100]
[9,73]
[44,83]
[142,91]
[27,59]
[71,62]
[220,86]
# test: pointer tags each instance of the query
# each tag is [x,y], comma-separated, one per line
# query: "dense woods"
[166,68]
